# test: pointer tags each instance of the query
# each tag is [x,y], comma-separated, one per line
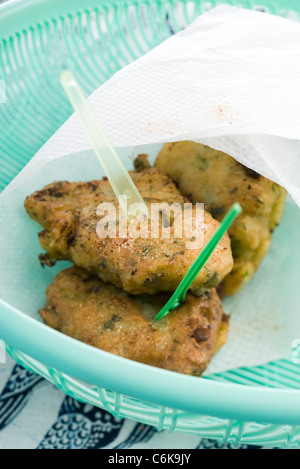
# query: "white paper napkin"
[230,80]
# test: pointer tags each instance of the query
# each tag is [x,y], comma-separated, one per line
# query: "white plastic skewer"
[115,171]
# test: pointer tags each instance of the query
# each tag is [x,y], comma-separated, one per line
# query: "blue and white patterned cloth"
[34,414]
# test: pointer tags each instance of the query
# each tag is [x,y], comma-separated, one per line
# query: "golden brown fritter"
[215,178]
[67,212]
[82,306]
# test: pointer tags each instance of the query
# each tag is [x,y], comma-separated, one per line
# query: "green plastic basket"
[258,405]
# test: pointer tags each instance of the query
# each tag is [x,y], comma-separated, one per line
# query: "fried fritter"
[67,212]
[82,306]
[215,178]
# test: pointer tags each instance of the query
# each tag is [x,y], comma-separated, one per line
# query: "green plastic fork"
[179,295]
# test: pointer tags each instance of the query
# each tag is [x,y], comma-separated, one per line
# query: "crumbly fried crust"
[67,212]
[82,306]
[215,178]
